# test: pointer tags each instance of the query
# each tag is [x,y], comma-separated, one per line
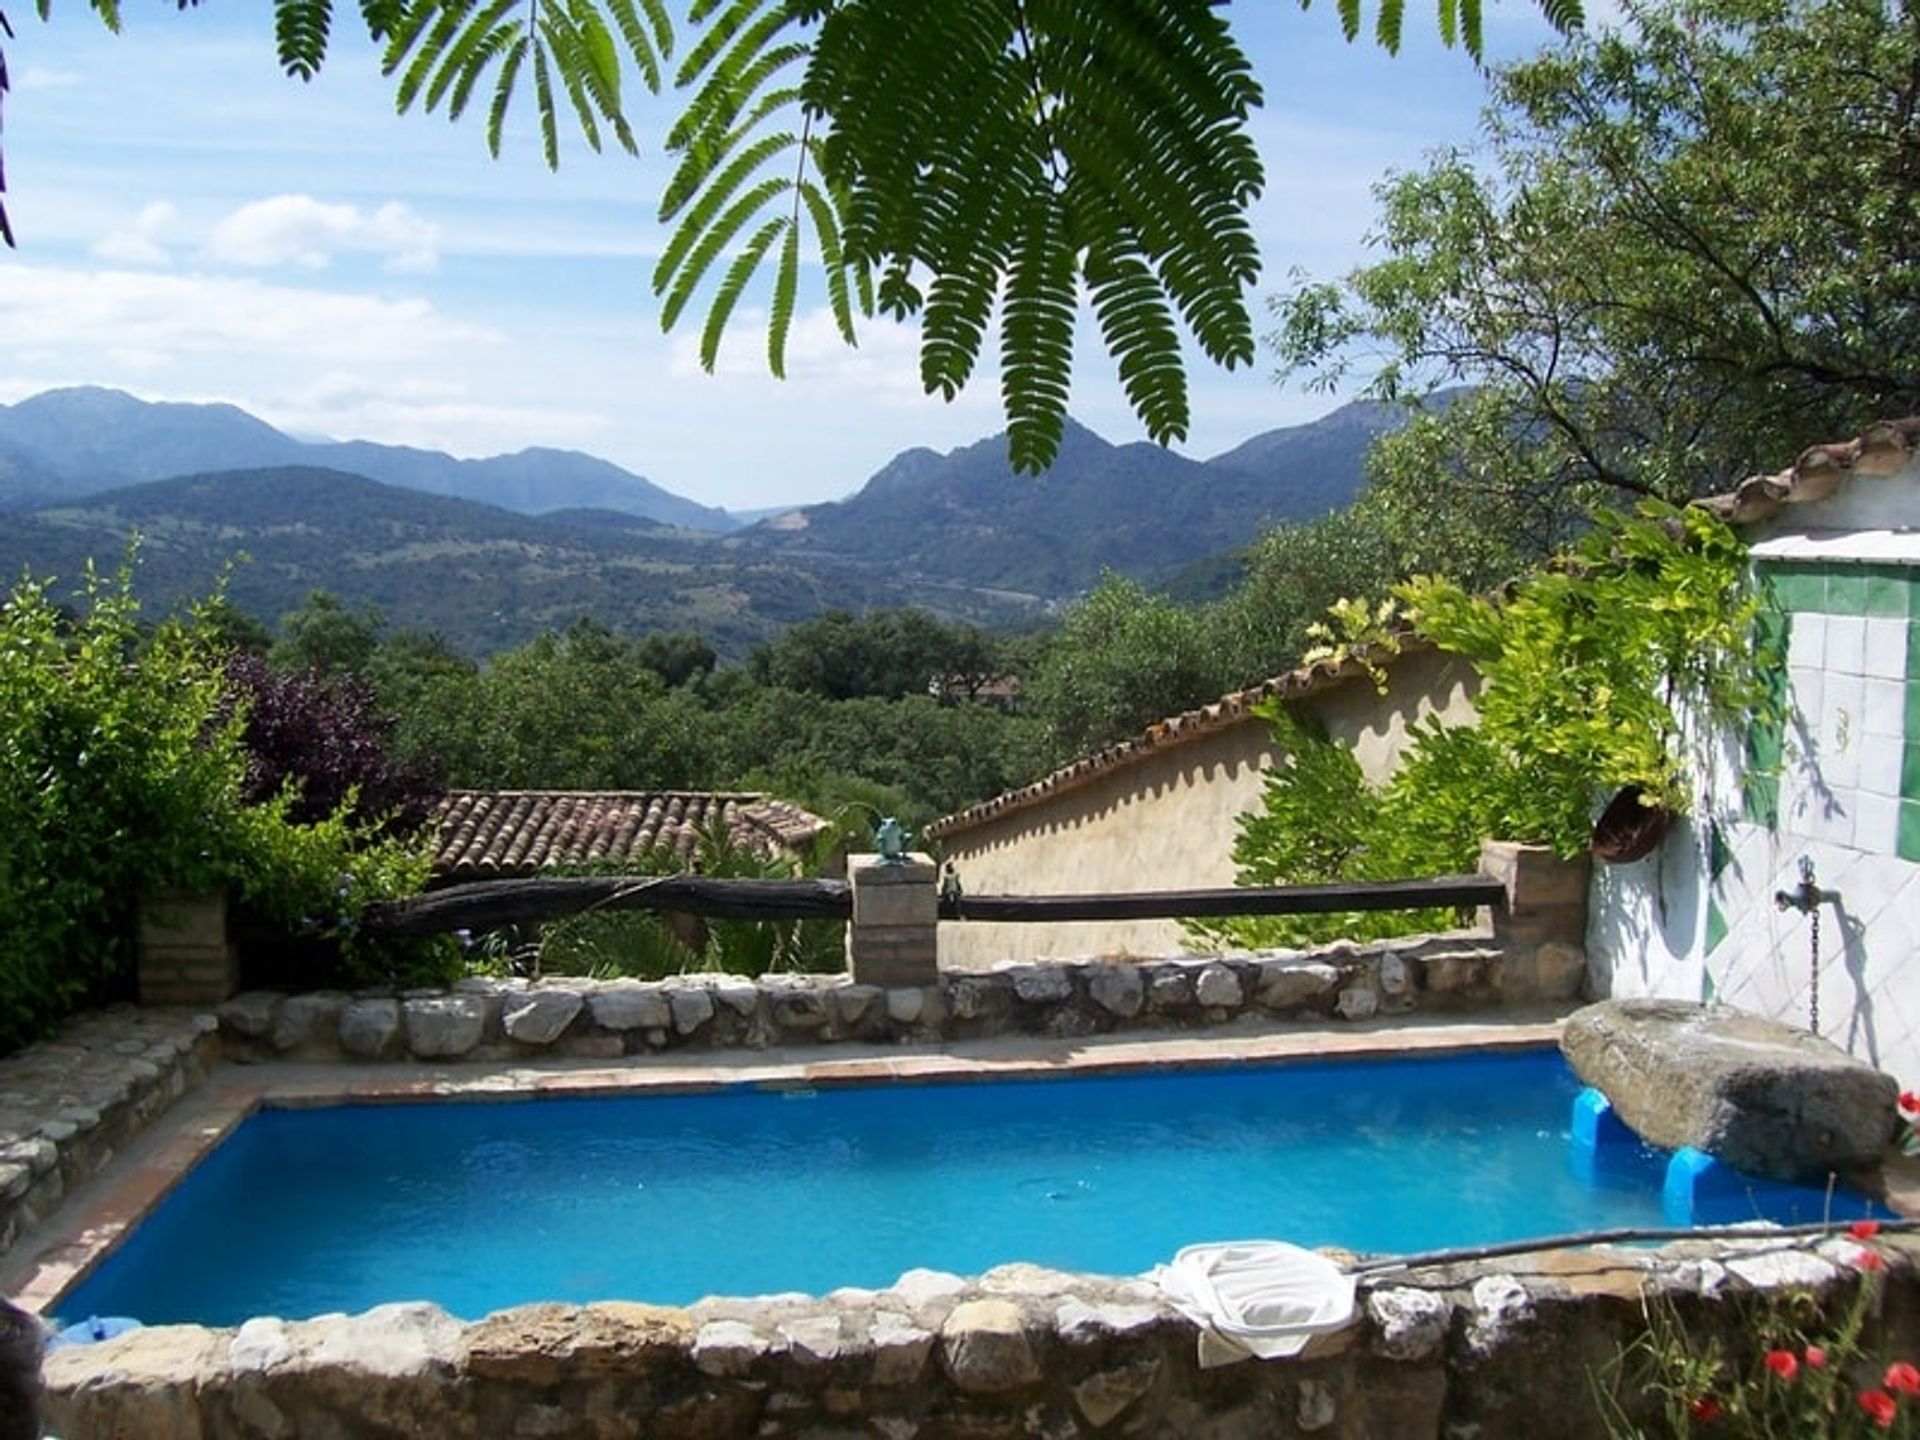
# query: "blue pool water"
[481,1206]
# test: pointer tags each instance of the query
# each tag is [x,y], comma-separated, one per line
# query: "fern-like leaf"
[786,290]
[300,31]
[733,285]
[1036,340]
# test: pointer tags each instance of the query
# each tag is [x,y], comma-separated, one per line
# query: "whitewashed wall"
[1840,786]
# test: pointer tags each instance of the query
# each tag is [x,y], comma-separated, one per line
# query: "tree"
[327,637]
[1123,660]
[1666,268]
[952,159]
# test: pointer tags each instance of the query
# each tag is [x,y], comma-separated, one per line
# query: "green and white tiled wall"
[1840,784]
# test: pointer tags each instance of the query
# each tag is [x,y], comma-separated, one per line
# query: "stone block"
[540,1017]
[1755,1094]
[630,1007]
[445,1027]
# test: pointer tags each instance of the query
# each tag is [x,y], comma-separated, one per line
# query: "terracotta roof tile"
[488,833]
[1233,709]
[1881,450]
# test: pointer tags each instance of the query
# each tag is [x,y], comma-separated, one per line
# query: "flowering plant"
[1804,1375]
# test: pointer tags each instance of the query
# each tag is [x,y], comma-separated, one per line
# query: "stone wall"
[1494,1349]
[67,1105]
[514,1019]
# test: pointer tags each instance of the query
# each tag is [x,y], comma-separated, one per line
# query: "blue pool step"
[1695,1188]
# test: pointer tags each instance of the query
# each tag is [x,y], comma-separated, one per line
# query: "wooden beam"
[1447,890]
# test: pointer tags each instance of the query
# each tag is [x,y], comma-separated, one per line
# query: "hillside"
[483,577]
[70,444]
[967,517]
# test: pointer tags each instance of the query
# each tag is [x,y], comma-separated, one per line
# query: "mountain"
[967,517]
[481,576]
[72,443]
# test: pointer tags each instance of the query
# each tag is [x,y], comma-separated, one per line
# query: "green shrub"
[121,771]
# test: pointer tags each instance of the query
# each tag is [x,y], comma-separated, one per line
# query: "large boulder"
[1758,1095]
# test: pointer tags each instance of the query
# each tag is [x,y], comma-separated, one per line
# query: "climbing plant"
[1593,673]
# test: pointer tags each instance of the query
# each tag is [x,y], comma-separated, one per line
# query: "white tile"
[1846,644]
[1880,766]
[1841,772]
[1833,817]
[1806,694]
[1886,647]
[1876,822]
[1807,642]
[1885,708]
[1843,704]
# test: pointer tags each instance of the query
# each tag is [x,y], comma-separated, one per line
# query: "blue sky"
[195,226]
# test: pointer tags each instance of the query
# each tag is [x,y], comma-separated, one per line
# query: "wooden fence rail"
[492,904]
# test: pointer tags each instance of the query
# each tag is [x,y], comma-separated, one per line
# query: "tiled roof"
[1883,449]
[483,834]
[1233,709]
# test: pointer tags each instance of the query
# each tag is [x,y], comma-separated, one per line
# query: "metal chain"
[1813,953]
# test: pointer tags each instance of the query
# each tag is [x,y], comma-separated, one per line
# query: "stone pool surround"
[1503,1348]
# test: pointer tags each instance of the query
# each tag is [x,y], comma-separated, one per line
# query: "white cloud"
[44,77]
[100,311]
[301,231]
[139,241]
[434,414]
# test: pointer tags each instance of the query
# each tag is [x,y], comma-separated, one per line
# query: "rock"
[1559,970]
[540,1017]
[796,1009]
[1043,984]
[1170,987]
[445,1026]
[900,1349]
[129,1386]
[370,1029]
[1102,1396]
[1500,1305]
[1288,984]
[549,1344]
[1412,1324]
[1219,987]
[1758,1095]
[259,1344]
[307,1022]
[854,1001]
[727,1348]
[1393,977]
[919,1287]
[250,1014]
[740,996]
[692,1007]
[813,1339]
[1079,1323]
[630,1007]
[1117,989]
[1359,1001]
[1315,1409]
[984,1347]
[905,1003]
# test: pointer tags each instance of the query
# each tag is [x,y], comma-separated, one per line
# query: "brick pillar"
[894,937]
[181,952]
[1543,926]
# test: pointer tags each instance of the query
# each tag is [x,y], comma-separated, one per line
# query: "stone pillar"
[1543,927]
[894,938]
[181,952]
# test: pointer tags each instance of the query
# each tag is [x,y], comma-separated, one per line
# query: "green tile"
[1913,647]
[1799,589]
[1716,927]
[1908,847]
[1910,771]
[1764,746]
[1846,592]
[1707,988]
[1719,852]
[1913,700]
[1761,794]
[1888,591]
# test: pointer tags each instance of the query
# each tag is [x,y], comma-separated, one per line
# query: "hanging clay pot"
[1630,827]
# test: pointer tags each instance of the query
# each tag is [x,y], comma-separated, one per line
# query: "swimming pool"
[479,1206]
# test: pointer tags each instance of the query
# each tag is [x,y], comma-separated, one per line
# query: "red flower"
[1868,1260]
[1705,1410]
[1902,1378]
[1864,1229]
[1785,1364]
[1880,1407]
[1909,1101]
[1816,1358]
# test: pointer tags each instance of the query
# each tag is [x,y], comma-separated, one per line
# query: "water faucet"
[1807,895]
